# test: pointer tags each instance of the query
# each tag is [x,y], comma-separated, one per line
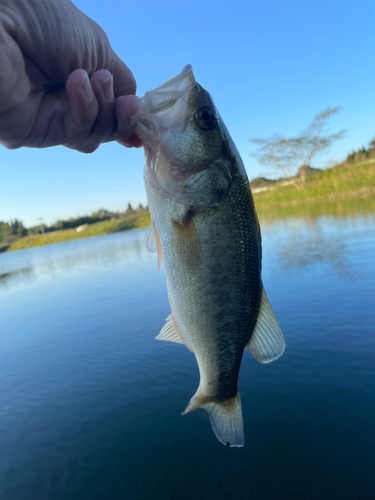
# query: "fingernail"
[86,88]
[132,121]
[107,89]
[136,107]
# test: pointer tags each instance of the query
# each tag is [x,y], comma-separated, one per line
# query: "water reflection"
[309,243]
[99,252]
[19,275]
[350,207]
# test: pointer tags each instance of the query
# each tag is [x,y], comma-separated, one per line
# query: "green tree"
[59,225]
[129,210]
[290,154]
[101,213]
[4,230]
[363,153]
[12,230]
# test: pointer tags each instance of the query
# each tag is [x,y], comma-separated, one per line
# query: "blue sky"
[270,66]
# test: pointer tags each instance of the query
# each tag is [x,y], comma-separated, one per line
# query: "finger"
[127,108]
[105,123]
[123,78]
[133,142]
[83,110]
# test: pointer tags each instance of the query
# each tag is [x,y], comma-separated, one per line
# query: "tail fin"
[225,417]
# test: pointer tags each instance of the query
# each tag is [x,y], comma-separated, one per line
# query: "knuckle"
[10,145]
[87,147]
[76,134]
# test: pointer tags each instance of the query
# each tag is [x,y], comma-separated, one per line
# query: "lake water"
[90,403]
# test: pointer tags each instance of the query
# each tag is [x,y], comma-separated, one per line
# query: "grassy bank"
[135,221]
[346,181]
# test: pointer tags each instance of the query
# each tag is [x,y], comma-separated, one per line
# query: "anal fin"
[267,342]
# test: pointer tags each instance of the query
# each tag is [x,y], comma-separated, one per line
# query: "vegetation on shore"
[345,181]
[136,220]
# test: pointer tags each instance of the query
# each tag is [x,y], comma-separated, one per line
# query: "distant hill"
[303,172]
[260,182]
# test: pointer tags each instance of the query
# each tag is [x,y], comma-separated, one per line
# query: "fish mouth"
[164,96]
[179,83]
[156,104]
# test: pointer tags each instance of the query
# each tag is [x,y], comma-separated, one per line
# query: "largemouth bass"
[206,231]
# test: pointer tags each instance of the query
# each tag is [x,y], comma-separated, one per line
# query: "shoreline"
[337,191]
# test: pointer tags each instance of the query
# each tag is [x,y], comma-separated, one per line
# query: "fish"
[206,232]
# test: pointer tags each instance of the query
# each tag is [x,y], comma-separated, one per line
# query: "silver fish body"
[206,231]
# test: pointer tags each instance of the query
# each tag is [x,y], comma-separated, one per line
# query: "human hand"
[60,80]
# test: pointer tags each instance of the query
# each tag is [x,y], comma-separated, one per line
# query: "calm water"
[90,403]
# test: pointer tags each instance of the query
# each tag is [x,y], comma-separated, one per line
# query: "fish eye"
[205,118]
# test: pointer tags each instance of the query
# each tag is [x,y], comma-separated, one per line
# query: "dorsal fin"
[267,341]
[169,332]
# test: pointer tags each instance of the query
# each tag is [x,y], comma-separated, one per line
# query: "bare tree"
[290,154]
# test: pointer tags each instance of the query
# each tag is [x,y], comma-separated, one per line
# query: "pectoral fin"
[169,332]
[187,243]
[267,341]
